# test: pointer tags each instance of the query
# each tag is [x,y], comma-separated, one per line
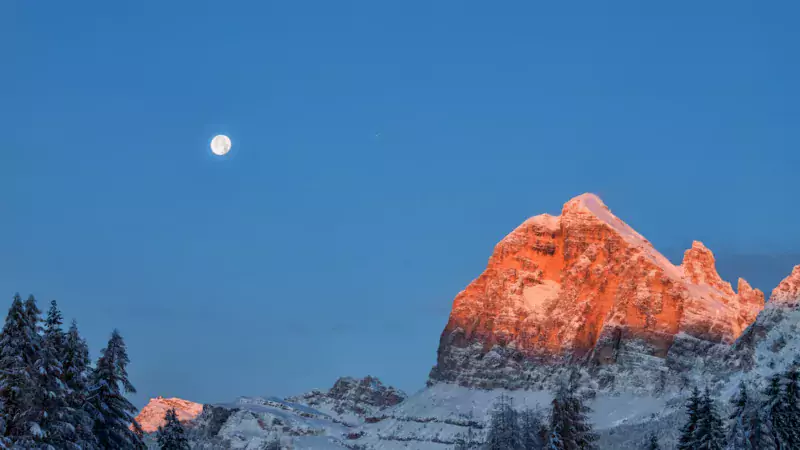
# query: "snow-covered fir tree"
[710,434]
[791,408]
[569,421]
[688,437]
[56,417]
[504,432]
[18,350]
[532,428]
[746,427]
[54,335]
[773,409]
[76,378]
[171,435]
[111,411]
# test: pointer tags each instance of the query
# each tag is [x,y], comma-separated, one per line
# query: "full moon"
[220,145]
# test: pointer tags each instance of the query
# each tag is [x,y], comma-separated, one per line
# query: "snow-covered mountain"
[580,293]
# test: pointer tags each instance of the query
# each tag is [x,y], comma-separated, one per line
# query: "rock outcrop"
[352,399]
[584,287]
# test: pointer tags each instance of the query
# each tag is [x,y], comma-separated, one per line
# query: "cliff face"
[585,287]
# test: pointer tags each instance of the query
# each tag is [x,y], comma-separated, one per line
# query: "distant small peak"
[699,245]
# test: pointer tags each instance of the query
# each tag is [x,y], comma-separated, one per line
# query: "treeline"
[565,427]
[760,419]
[50,395]
[765,419]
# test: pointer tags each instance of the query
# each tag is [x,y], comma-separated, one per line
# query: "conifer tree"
[710,434]
[532,429]
[774,411]
[76,379]
[51,395]
[791,408]
[171,435]
[17,385]
[652,442]
[688,438]
[504,432]
[111,411]
[569,422]
[746,427]
[560,426]
[584,435]
[53,333]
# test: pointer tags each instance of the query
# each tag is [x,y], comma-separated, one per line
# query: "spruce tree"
[569,422]
[17,385]
[710,433]
[171,435]
[746,427]
[51,393]
[111,411]
[53,333]
[504,432]
[791,408]
[774,411]
[532,429]
[652,442]
[584,435]
[688,438]
[76,379]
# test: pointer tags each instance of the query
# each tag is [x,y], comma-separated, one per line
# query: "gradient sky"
[381,149]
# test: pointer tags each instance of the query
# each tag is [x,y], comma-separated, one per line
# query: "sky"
[380,150]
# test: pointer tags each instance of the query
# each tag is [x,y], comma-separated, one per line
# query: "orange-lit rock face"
[577,284]
[788,291]
[152,415]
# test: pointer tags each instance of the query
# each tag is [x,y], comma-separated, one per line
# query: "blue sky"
[380,150]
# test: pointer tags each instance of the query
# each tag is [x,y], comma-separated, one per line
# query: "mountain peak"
[351,397]
[699,266]
[584,285]
[152,415]
[788,291]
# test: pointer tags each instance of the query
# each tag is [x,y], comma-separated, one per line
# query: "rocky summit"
[584,287]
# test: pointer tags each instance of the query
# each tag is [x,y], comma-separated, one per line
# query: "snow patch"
[539,296]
